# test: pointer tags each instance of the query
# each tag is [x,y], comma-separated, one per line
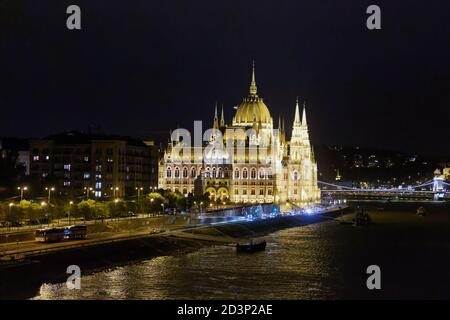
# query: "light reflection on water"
[292,267]
[320,261]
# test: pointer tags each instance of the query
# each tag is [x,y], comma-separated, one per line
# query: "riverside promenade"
[214,229]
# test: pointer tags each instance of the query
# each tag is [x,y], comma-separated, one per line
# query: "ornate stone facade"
[247,161]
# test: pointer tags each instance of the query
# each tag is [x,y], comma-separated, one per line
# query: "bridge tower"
[438,185]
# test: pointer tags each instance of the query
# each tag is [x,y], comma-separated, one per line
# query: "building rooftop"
[76,137]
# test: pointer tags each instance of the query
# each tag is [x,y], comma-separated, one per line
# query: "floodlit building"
[247,161]
[104,166]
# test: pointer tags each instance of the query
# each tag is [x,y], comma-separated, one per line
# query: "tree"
[86,209]
[154,201]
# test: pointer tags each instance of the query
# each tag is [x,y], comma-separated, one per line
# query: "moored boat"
[252,246]
[421,211]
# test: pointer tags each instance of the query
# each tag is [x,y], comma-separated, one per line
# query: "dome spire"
[253,89]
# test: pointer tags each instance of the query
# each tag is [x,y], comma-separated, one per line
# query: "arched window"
[193,175]
[185,172]
[220,172]
[226,173]
[236,173]
[207,173]
[295,177]
[214,172]
[261,173]
[244,173]
[269,173]
[253,173]
[177,172]
[169,173]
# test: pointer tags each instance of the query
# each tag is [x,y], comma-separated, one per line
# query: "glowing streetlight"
[186,197]
[87,190]
[49,189]
[68,213]
[10,205]
[139,189]
[22,189]
[116,189]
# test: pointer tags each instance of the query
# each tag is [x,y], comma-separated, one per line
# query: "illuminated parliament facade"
[247,161]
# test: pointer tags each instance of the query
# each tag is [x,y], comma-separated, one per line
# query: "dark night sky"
[141,67]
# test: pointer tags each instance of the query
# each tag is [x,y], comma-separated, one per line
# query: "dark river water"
[326,260]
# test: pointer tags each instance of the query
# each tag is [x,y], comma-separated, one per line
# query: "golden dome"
[252,108]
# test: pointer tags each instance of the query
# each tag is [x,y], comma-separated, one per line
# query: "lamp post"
[70,206]
[139,189]
[10,205]
[43,204]
[151,206]
[186,197]
[22,189]
[162,205]
[116,189]
[87,190]
[49,189]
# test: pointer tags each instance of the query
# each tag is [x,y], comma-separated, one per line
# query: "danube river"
[326,260]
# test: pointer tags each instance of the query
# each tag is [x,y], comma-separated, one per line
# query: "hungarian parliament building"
[247,161]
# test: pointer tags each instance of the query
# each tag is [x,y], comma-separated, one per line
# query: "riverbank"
[317,261]
[22,281]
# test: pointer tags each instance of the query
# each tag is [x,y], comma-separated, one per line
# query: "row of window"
[253,192]
[237,192]
[221,173]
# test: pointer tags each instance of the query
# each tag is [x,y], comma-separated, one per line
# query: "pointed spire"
[304,115]
[222,119]
[297,114]
[178,133]
[253,88]
[216,119]
[215,111]
[170,137]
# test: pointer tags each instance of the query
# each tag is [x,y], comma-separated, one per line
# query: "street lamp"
[151,206]
[162,205]
[114,191]
[68,213]
[139,189]
[22,189]
[10,205]
[186,197]
[43,204]
[87,190]
[49,191]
